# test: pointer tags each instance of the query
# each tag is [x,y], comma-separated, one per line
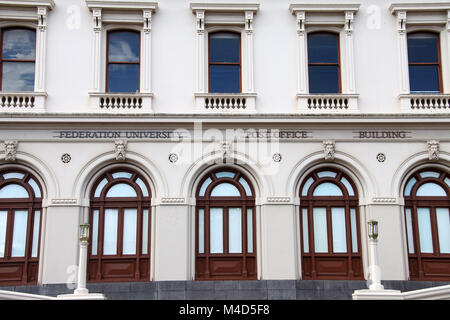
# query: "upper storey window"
[18,59]
[424,62]
[224,62]
[323,63]
[123,61]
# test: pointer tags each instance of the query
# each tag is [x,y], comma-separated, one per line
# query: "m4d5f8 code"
[231,309]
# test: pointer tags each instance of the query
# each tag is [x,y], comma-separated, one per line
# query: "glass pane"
[95,232]
[443,222]
[123,77]
[35,243]
[323,48]
[3,223]
[327,189]
[129,231]
[123,46]
[320,230]
[409,230]
[19,233]
[327,174]
[250,230]
[100,187]
[429,174]
[118,175]
[145,224]
[121,190]
[354,230]
[306,186]
[424,78]
[423,47]
[19,44]
[323,79]
[225,174]
[225,78]
[18,76]
[201,230]
[235,230]
[13,191]
[225,190]
[409,186]
[204,186]
[244,183]
[447,182]
[143,187]
[216,230]
[339,230]
[305,230]
[36,189]
[431,190]
[110,231]
[13,175]
[348,186]
[224,47]
[425,237]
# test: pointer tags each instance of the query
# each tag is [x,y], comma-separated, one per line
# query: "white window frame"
[234,17]
[110,15]
[336,18]
[427,17]
[29,14]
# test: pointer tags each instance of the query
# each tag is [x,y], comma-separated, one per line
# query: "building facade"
[226,140]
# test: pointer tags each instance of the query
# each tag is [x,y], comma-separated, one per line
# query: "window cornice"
[121,5]
[324,7]
[395,7]
[225,7]
[27,3]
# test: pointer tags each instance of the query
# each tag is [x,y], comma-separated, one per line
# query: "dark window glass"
[123,61]
[224,63]
[323,63]
[18,59]
[424,62]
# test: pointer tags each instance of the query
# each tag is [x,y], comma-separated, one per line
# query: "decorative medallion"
[276,157]
[381,157]
[173,157]
[65,158]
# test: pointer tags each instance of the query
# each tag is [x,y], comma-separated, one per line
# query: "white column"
[41,49]
[349,54]
[447,82]
[375,271]
[302,67]
[96,51]
[81,286]
[146,49]
[249,87]
[403,52]
[200,54]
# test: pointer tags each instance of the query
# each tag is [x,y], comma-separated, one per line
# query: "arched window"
[424,59]
[18,57]
[123,61]
[329,218]
[427,203]
[120,221]
[224,62]
[225,225]
[324,63]
[20,219]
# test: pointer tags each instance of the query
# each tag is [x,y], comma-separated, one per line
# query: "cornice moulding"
[28,3]
[395,7]
[224,7]
[324,7]
[121,5]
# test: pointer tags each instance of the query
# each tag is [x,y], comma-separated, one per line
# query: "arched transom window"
[427,203]
[329,219]
[20,219]
[225,224]
[120,219]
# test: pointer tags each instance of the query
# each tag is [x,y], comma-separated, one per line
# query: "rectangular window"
[409,230]
[35,243]
[201,230]
[443,222]
[224,62]
[338,230]
[19,233]
[216,230]
[320,230]
[425,236]
[354,230]
[305,230]
[145,224]
[94,232]
[110,231]
[3,224]
[129,231]
[250,230]
[235,230]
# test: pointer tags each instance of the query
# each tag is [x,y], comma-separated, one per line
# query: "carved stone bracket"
[401,22]
[120,148]
[97,16]
[42,18]
[11,150]
[329,148]
[225,149]
[147,21]
[433,149]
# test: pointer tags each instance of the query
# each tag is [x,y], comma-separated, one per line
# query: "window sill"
[225,102]
[327,103]
[121,102]
[23,101]
[425,102]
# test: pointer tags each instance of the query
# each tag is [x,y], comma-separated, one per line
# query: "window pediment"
[421,13]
